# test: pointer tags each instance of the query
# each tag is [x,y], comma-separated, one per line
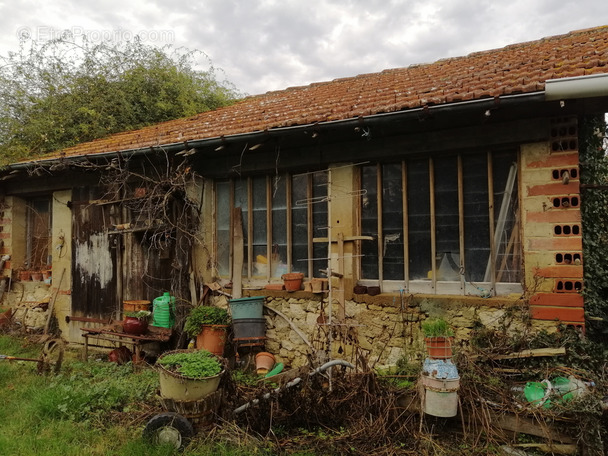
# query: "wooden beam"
[532,353]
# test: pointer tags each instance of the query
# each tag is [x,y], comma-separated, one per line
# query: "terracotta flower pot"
[24,276]
[293,281]
[5,316]
[264,362]
[212,338]
[439,347]
[36,276]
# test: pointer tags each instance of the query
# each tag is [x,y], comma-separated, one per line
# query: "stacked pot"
[440,378]
[248,323]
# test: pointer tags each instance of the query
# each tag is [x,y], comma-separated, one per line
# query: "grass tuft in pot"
[436,327]
[140,314]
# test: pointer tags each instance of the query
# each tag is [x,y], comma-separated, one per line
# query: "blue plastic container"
[250,308]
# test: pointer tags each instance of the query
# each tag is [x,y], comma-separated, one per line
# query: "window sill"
[394,299]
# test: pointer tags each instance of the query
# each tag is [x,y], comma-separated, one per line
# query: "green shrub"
[205,315]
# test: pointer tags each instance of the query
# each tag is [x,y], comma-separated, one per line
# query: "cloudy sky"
[264,45]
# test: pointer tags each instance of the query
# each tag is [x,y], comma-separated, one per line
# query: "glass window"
[448,214]
[281,215]
[39,233]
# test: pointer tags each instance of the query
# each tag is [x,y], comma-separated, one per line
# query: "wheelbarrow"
[50,359]
[179,423]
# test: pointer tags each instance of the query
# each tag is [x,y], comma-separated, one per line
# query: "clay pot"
[212,338]
[36,276]
[293,281]
[24,276]
[264,362]
[360,289]
[134,326]
[5,316]
[373,291]
[439,347]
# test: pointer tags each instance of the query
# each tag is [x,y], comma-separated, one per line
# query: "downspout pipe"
[595,85]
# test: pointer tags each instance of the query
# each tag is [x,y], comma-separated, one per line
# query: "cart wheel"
[169,428]
[51,357]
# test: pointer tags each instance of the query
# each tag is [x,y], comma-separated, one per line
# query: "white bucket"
[441,396]
[443,404]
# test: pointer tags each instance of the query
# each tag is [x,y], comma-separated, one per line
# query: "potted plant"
[136,323]
[438,336]
[24,274]
[189,375]
[209,325]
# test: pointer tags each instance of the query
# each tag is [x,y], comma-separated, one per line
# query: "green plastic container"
[164,311]
[247,307]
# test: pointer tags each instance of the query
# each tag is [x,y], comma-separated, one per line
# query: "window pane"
[476,217]
[278,260]
[506,219]
[419,219]
[392,222]
[39,233]
[319,221]
[299,224]
[259,227]
[447,218]
[369,222]
[240,200]
[223,228]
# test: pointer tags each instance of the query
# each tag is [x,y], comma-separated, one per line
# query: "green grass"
[95,408]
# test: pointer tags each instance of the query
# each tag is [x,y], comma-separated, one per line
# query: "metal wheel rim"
[169,434]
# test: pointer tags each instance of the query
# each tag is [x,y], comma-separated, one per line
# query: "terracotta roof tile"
[517,68]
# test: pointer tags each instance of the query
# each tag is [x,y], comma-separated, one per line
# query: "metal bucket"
[440,396]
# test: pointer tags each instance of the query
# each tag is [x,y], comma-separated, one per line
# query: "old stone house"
[451,188]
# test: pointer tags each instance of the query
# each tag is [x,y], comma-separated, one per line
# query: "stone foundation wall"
[383,328]
[29,301]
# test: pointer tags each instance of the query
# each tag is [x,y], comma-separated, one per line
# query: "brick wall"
[552,229]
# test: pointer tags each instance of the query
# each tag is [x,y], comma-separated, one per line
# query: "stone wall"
[382,328]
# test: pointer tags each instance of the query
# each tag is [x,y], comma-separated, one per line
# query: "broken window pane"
[506,218]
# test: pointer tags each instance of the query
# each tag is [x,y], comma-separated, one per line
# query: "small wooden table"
[113,332]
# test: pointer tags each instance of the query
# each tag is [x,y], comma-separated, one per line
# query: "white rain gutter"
[595,85]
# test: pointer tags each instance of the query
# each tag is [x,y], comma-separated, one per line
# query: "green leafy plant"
[205,315]
[140,314]
[193,364]
[436,327]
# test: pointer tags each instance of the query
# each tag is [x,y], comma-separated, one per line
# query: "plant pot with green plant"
[438,336]
[209,325]
[189,375]
[136,323]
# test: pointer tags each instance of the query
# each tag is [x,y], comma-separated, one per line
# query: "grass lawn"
[95,408]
